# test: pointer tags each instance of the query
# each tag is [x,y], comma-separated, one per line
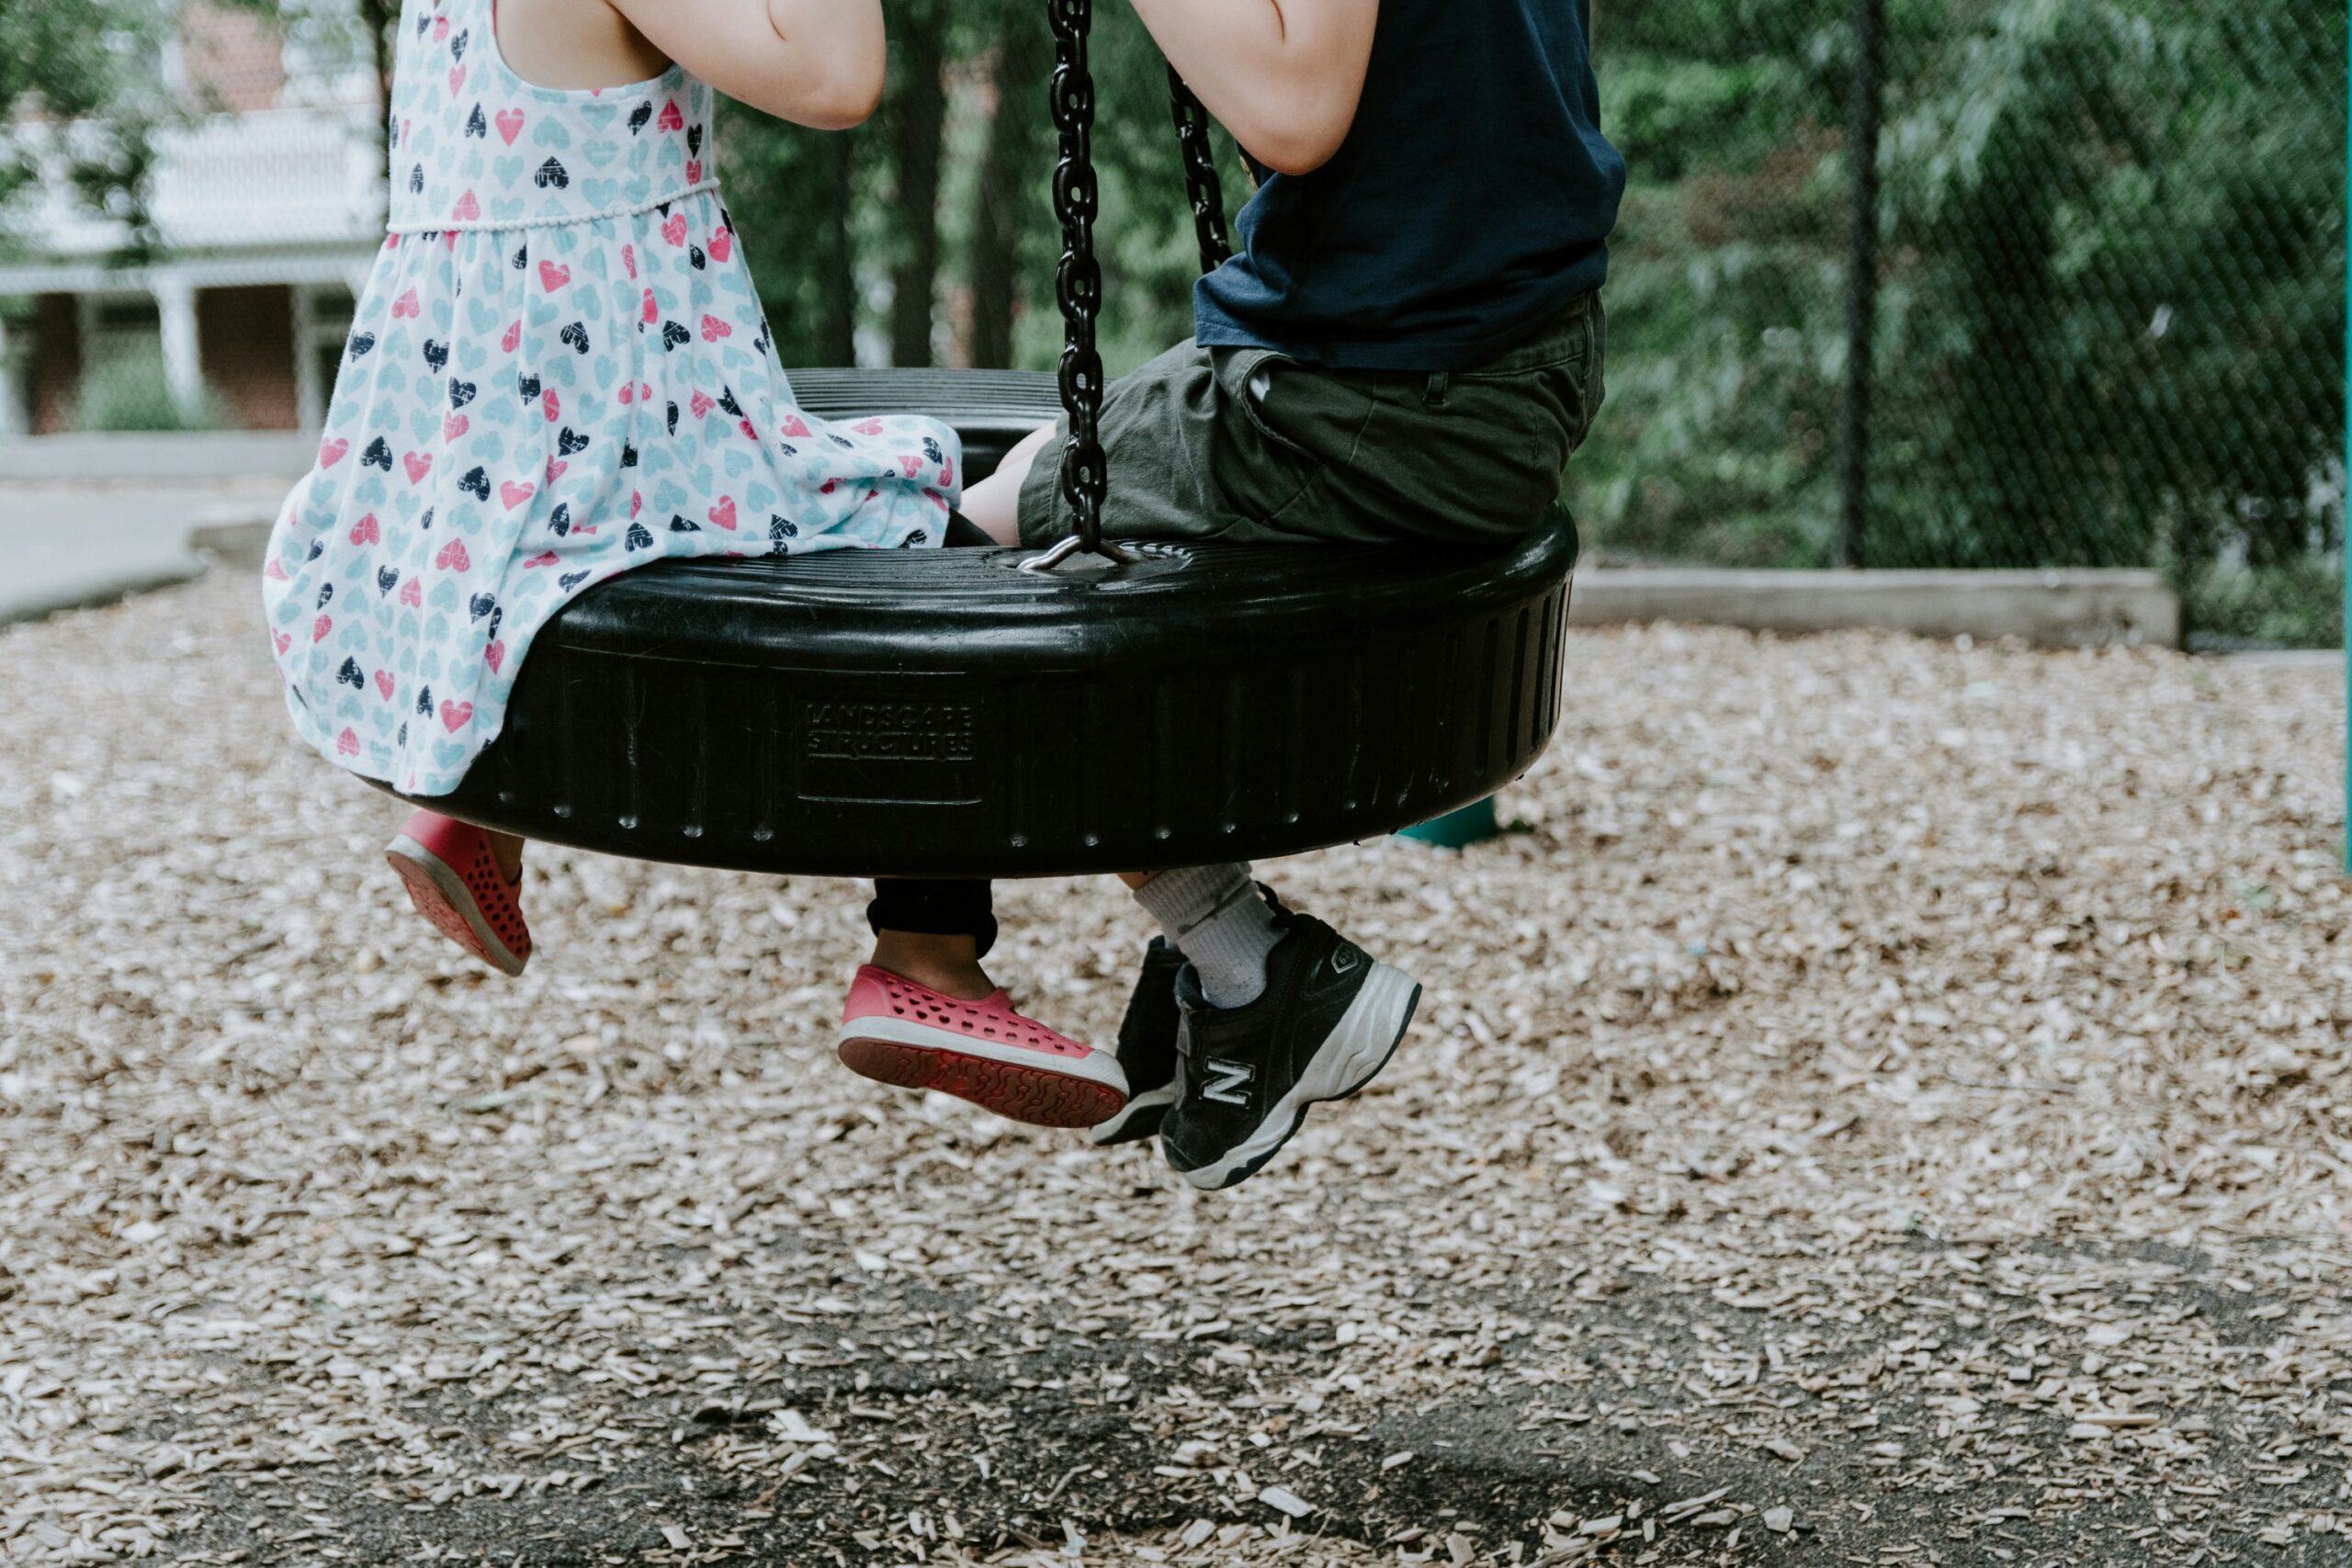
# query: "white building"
[268,210]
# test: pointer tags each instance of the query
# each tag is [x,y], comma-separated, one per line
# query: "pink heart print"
[347,743]
[515,493]
[418,464]
[456,715]
[467,211]
[551,405]
[456,424]
[547,560]
[553,276]
[333,451]
[722,244]
[453,556]
[319,628]
[413,592]
[496,656]
[670,118]
[556,468]
[793,426]
[365,531]
[513,336]
[700,403]
[406,305]
[384,684]
[628,260]
[724,512]
[674,229]
[457,80]
[869,427]
[713,329]
[510,124]
[649,312]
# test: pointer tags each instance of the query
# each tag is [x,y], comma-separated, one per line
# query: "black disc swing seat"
[963,712]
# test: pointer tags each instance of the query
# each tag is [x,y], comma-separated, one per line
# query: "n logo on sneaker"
[1229,1082]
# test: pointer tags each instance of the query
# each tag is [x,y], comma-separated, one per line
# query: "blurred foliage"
[990,283]
[2113,260]
[2112,317]
[91,62]
[130,392]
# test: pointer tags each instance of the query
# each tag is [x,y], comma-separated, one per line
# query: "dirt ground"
[1888,1103]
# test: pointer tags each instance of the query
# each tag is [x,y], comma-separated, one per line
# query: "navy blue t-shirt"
[1472,200]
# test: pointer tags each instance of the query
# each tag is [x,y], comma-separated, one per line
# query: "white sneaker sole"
[1141,1117]
[1019,1084]
[421,869]
[1350,1057]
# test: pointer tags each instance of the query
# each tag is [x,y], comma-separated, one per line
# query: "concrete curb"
[2054,609]
[91,457]
[240,539]
[90,593]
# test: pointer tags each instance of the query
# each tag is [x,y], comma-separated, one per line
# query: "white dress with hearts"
[559,370]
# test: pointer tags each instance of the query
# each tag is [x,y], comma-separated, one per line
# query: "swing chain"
[1201,182]
[1078,283]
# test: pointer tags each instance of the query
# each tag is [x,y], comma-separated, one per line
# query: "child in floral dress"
[559,370]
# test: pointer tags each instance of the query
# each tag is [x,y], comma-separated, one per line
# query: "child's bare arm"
[1283,76]
[815,62]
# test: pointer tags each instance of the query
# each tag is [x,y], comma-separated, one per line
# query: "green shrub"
[2294,604]
[130,392]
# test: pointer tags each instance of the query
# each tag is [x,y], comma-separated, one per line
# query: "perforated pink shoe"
[454,881]
[897,1032]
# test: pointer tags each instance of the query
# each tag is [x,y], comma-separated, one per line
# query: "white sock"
[1217,919]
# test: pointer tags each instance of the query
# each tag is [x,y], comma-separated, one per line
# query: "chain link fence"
[2099,280]
[2101,283]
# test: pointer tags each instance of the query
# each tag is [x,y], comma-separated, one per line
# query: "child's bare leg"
[509,851]
[948,965]
[994,504]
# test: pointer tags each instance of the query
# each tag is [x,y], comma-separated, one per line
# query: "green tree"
[1725,305]
[969,201]
[2124,304]
[88,61]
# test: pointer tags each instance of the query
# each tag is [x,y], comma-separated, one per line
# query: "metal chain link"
[1078,283]
[1200,181]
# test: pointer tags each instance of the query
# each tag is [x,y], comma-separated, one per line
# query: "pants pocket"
[1285,438]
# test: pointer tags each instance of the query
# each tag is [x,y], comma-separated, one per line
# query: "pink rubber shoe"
[896,1032]
[454,881]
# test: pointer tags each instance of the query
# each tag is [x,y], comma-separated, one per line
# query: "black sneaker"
[1147,1050]
[1328,1021]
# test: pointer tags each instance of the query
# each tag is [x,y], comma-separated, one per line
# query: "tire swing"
[1005,713]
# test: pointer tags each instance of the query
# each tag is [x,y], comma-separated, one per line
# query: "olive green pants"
[1250,446]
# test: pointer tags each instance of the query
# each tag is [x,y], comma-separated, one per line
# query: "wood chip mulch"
[1888,1102]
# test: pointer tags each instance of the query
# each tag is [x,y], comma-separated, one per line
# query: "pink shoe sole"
[453,879]
[899,1033]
